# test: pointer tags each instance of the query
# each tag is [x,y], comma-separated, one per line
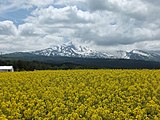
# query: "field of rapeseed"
[80,95]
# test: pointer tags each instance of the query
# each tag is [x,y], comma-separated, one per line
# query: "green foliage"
[80,95]
[22,65]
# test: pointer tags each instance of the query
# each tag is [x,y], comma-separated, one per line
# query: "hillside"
[58,62]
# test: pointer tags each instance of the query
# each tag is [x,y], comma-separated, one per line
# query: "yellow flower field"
[80,95]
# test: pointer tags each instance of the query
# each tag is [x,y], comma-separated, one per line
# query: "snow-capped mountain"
[71,50]
[137,55]
[120,54]
[144,55]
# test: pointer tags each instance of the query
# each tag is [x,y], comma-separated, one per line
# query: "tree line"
[20,65]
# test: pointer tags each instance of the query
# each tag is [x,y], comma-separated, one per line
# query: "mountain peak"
[140,52]
[71,50]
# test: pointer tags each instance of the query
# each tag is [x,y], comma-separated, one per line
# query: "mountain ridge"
[77,51]
[71,50]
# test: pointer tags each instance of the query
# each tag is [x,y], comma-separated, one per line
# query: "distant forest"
[22,65]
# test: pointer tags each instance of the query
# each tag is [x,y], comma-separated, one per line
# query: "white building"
[6,69]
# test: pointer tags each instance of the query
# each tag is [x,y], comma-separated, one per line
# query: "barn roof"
[6,67]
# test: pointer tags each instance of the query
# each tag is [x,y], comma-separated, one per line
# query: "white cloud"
[66,15]
[25,4]
[117,24]
[40,2]
[7,28]
[29,30]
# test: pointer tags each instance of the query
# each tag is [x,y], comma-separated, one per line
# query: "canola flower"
[80,95]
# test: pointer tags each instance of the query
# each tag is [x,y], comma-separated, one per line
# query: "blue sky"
[103,25]
[16,16]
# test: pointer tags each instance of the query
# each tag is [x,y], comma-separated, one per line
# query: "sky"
[27,25]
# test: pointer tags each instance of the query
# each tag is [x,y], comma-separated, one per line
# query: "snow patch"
[140,53]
